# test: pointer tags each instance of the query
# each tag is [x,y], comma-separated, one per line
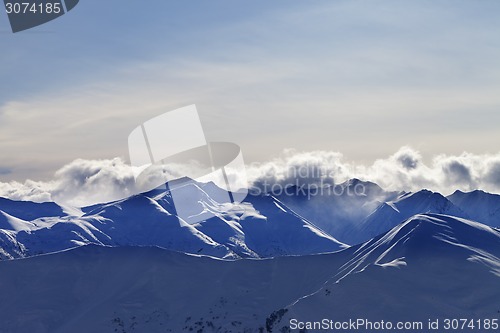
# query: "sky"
[360,78]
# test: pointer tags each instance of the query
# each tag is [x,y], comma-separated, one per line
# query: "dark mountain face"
[27,210]
[430,266]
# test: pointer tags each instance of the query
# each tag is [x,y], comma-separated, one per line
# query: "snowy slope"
[431,266]
[268,228]
[262,226]
[391,213]
[141,221]
[479,206]
[353,218]
[137,221]
[149,219]
[338,210]
[9,222]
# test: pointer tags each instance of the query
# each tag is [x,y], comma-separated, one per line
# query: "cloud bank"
[405,170]
[387,88]
[85,182]
[80,183]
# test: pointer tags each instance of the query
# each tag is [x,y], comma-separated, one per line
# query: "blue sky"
[359,77]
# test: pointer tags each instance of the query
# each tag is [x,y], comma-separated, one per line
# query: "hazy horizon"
[361,78]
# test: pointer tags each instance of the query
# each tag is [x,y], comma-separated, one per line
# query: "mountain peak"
[437,234]
[479,205]
[356,181]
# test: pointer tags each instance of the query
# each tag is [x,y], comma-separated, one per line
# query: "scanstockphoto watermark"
[363,325]
[310,190]
[360,324]
[305,180]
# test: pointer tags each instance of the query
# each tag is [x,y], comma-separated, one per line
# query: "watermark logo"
[26,14]
[171,152]
[296,188]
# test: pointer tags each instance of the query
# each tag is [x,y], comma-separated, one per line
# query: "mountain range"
[262,226]
[268,264]
[354,216]
[149,219]
[428,267]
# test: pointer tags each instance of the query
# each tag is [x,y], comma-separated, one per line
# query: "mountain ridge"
[155,290]
[261,226]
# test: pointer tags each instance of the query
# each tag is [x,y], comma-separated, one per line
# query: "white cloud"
[369,89]
[404,170]
[85,182]
[80,183]
[27,191]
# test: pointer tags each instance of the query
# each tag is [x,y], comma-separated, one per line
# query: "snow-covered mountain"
[391,213]
[356,211]
[27,210]
[479,206]
[429,267]
[338,209]
[260,227]
[296,223]
[267,228]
